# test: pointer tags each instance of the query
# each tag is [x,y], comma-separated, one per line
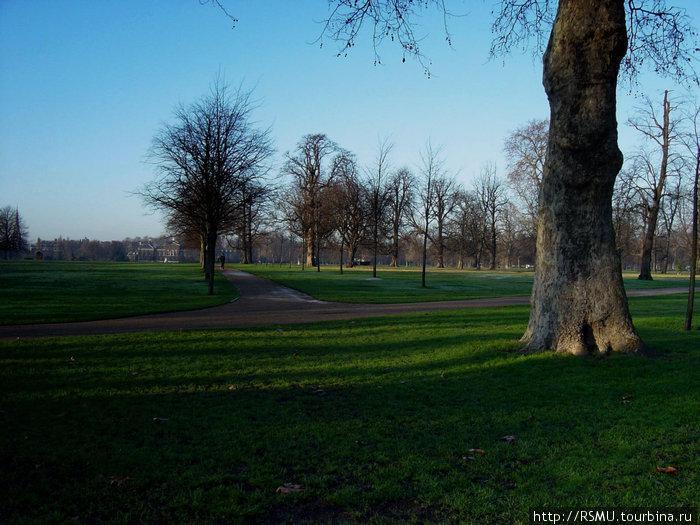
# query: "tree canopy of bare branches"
[204,158]
[526,150]
[311,173]
[13,233]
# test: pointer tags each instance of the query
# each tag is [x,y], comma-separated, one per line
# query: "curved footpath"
[261,302]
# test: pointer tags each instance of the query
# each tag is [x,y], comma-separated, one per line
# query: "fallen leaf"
[72,358]
[667,470]
[118,481]
[627,397]
[508,438]
[232,387]
[477,450]
[134,373]
[288,488]
[318,390]
[160,420]
[469,458]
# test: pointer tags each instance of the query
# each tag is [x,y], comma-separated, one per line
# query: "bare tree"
[432,167]
[203,159]
[401,196]
[349,207]
[669,212]
[255,198]
[13,233]
[378,194]
[625,214]
[491,194]
[525,150]
[310,175]
[467,229]
[661,130]
[444,193]
[693,145]
[578,301]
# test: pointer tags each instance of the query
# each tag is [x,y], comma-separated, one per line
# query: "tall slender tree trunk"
[650,232]
[352,254]
[578,301]
[493,244]
[249,233]
[243,234]
[210,260]
[395,245]
[375,246]
[693,247]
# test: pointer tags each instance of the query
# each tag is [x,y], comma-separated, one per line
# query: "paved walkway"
[261,302]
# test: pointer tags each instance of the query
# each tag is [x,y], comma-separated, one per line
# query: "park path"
[261,302]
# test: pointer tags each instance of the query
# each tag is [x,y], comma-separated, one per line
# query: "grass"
[392,285]
[372,419]
[56,291]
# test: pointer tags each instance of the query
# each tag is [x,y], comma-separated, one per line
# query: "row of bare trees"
[215,182]
[331,201]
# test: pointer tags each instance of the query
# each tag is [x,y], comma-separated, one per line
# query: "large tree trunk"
[310,248]
[578,301]
[440,248]
[395,245]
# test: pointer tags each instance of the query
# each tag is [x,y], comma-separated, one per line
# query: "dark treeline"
[140,249]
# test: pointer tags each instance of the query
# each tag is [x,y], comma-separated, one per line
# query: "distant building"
[167,250]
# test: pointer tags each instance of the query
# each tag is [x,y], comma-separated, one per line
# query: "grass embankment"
[56,291]
[392,285]
[367,421]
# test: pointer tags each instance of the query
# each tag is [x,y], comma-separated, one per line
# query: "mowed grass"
[366,421]
[403,285]
[57,291]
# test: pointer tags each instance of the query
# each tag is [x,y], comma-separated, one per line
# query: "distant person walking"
[222,260]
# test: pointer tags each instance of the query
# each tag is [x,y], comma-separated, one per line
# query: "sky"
[86,84]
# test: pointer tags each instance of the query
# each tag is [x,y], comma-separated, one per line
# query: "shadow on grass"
[373,418]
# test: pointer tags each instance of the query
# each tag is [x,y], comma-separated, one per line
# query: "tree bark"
[578,302]
[693,247]
[310,245]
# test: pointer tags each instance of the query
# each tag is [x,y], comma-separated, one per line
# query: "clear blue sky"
[85,84]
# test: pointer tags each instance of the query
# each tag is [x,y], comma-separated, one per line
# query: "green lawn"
[57,291]
[393,285]
[370,421]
